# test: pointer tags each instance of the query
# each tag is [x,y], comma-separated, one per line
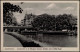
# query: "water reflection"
[55,40]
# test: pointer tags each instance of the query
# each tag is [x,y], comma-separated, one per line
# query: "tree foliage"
[44,22]
[8,8]
[52,22]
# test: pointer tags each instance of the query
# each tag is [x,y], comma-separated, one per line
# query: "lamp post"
[55,23]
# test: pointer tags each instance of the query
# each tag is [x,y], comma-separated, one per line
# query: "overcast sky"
[49,8]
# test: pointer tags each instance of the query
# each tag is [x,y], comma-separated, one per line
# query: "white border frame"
[40,48]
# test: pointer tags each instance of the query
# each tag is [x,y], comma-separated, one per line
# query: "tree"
[44,22]
[50,22]
[8,8]
[64,21]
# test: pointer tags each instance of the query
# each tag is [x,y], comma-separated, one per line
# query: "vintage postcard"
[40,25]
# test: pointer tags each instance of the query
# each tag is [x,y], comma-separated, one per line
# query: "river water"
[57,40]
[50,40]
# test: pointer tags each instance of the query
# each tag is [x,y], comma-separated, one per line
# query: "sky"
[41,8]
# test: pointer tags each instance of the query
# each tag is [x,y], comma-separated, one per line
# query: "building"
[28,19]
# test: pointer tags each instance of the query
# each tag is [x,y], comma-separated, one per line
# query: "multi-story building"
[28,19]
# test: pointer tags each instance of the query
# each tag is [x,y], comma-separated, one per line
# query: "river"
[47,40]
[57,40]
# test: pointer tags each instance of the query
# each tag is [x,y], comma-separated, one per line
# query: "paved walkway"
[10,41]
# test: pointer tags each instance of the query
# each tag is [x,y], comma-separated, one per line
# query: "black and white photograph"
[40,24]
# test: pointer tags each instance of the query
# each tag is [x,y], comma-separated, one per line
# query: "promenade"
[10,41]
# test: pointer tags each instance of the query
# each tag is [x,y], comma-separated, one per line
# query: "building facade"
[28,19]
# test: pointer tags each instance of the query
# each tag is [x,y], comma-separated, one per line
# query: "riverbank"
[70,33]
[27,43]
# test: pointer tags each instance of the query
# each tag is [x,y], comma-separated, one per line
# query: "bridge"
[16,28]
[30,30]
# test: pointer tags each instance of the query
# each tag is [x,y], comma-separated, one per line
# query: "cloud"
[38,12]
[69,8]
[51,6]
[28,9]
